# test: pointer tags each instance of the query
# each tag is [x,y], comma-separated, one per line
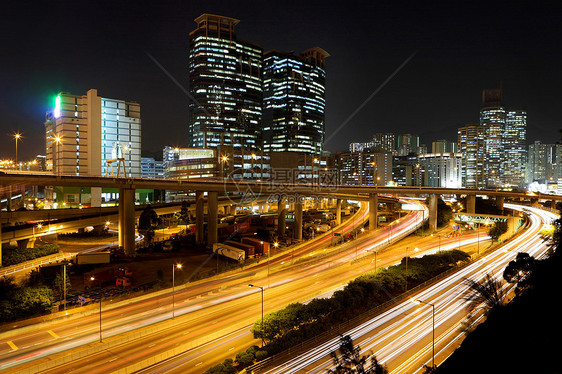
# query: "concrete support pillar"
[373,210]
[432,212]
[128,219]
[281,211]
[121,225]
[233,210]
[212,209]
[499,202]
[471,204]
[22,244]
[338,211]
[199,217]
[298,217]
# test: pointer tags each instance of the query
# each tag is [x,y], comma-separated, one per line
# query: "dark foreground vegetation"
[522,336]
[12,255]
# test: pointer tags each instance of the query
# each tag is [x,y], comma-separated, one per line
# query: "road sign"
[81,299]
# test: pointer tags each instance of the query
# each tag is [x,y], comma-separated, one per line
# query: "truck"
[93,258]
[98,277]
[260,247]
[247,248]
[230,252]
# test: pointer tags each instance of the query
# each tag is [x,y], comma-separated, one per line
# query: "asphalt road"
[402,337]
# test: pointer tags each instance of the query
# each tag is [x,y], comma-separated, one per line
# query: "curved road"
[401,337]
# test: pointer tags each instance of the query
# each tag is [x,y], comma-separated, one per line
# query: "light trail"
[401,336]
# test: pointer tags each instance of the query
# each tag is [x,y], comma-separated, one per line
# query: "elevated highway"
[249,190]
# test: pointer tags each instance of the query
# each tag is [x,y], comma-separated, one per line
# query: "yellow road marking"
[12,345]
[53,334]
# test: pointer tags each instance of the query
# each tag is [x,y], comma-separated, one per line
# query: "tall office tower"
[514,148]
[493,118]
[84,131]
[473,150]
[294,102]
[407,143]
[385,142]
[225,81]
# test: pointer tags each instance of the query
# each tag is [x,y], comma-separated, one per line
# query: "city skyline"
[458,52]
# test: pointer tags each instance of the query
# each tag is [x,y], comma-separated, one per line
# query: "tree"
[148,221]
[488,291]
[350,361]
[58,286]
[497,230]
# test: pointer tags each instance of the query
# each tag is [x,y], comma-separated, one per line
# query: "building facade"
[151,168]
[83,132]
[294,101]
[225,77]
[492,118]
[472,146]
[364,168]
[443,169]
[514,148]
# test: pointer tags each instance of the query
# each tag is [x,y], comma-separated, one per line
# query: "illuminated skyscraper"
[294,103]
[514,148]
[225,86]
[473,149]
[493,117]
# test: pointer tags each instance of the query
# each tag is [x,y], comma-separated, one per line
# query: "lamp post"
[375,252]
[224,159]
[174,267]
[406,268]
[261,288]
[57,141]
[433,328]
[17,136]
[101,296]
[64,285]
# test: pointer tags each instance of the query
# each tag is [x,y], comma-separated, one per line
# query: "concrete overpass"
[282,193]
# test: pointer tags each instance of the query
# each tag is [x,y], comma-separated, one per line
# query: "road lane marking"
[53,334]
[12,345]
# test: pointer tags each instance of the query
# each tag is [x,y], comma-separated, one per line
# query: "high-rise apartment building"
[384,142]
[407,143]
[443,146]
[473,149]
[364,168]
[84,131]
[225,77]
[294,103]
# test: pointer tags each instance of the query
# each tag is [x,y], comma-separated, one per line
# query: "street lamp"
[57,141]
[262,332]
[224,159]
[406,268]
[17,136]
[433,328]
[64,285]
[92,278]
[174,267]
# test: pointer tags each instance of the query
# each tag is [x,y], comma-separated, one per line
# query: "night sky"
[459,50]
